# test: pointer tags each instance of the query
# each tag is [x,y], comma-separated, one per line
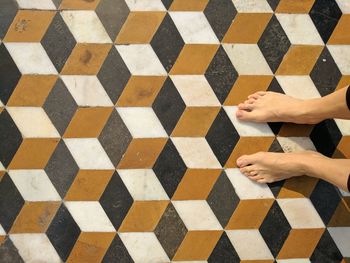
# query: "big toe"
[244,115]
[244,160]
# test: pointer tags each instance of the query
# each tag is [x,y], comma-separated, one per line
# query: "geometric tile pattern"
[118,138]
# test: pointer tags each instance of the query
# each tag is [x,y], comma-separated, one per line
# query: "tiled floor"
[118,136]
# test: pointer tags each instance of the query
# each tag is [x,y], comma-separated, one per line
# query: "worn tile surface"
[118,136]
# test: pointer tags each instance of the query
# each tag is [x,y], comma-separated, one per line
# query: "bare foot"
[268,167]
[267,106]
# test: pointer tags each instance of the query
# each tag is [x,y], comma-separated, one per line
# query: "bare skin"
[265,167]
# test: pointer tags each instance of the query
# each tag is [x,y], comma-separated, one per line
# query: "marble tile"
[194,27]
[36,4]
[344,6]
[301,87]
[90,216]
[344,126]
[341,236]
[145,5]
[252,6]
[341,55]
[2,231]
[294,260]
[247,59]
[197,215]
[143,184]
[34,185]
[296,144]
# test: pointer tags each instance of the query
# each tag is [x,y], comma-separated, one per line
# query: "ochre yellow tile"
[91,247]
[32,90]
[188,5]
[344,82]
[140,27]
[197,245]
[298,187]
[248,145]
[142,153]
[35,217]
[249,214]
[2,173]
[343,146]
[341,216]
[292,6]
[194,59]
[196,184]
[245,86]
[195,121]
[300,243]
[295,130]
[79,4]
[89,185]
[34,153]
[341,33]
[299,60]
[88,122]
[29,26]
[143,216]
[141,91]
[86,59]
[257,261]
[247,28]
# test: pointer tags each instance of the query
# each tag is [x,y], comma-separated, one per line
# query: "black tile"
[325,73]
[8,11]
[9,253]
[275,229]
[220,14]
[115,138]
[112,14]
[116,200]
[117,252]
[221,74]
[57,3]
[275,86]
[170,231]
[60,106]
[169,168]
[114,74]
[168,106]
[167,3]
[58,42]
[9,74]
[167,43]
[63,232]
[223,199]
[274,43]
[62,168]
[222,137]
[11,202]
[276,147]
[326,136]
[325,15]
[325,199]
[224,251]
[326,250]
[273,4]
[10,138]
[275,187]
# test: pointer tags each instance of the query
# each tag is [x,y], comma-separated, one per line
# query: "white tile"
[34,185]
[195,90]
[90,216]
[144,247]
[344,6]
[197,215]
[252,6]
[36,4]
[2,231]
[31,58]
[294,260]
[300,213]
[33,122]
[143,184]
[341,56]
[1,104]
[141,60]
[145,5]
[142,122]
[249,244]
[301,87]
[35,248]
[88,153]
[296,144]
[85,26]
[196,152]
[194,27]
[2,168]
[247,59]
[341,237]
[300,29]
[247,129]
[246,188]
[87,90]
[344,126]
[343,193]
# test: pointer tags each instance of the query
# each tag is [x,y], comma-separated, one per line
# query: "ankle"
[312,165]
[310,111]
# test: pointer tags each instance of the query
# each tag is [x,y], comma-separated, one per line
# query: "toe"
[244,106]
[245,115]
[245,160]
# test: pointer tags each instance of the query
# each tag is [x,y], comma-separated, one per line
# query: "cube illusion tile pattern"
[118,136]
